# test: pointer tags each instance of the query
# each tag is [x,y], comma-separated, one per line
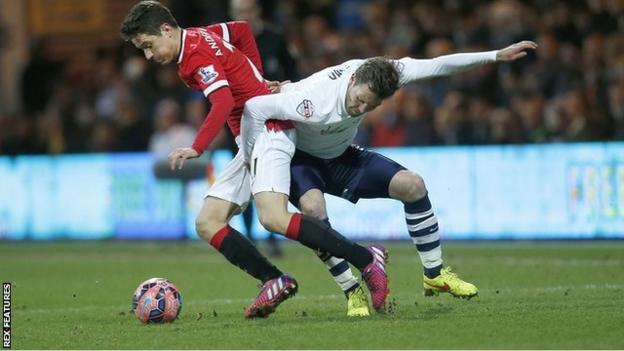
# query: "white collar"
[182,42]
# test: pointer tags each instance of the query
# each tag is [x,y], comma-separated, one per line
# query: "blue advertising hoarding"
[491,192]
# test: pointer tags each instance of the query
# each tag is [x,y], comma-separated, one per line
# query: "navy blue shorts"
[356,174]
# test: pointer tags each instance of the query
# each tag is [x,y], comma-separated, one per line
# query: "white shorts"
[234,183]
[270,161]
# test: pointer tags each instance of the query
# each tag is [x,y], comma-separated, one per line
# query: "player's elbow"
[228,102]
[222,101]
[252,107]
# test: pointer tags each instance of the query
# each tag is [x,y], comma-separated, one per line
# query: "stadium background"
[527,150]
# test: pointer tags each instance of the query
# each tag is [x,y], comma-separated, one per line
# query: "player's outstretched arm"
[416,69]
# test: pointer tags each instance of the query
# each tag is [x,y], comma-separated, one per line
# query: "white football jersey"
[333,129]
[317,104]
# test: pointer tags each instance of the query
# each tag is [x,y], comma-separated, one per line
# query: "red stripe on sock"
[218,238]
[293,227]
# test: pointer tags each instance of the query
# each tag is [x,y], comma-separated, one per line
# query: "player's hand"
[515,51]
[275,86]
[181,154]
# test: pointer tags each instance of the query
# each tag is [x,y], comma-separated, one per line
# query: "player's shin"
[340,272]
[316,235]
[422,226]
[339,269]
[241,252]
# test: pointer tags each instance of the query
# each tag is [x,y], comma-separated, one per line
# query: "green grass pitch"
[76,295]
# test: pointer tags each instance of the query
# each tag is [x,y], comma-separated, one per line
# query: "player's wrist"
[497,55]
[197,149]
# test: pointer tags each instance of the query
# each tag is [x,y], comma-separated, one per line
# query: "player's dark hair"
[381,75]
[146,17]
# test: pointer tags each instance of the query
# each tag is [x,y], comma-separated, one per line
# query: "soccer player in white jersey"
[327,108]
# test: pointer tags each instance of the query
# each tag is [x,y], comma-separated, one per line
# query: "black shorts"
[356,174]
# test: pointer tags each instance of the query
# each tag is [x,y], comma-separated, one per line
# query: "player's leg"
[212,225]
[316,235]
[274,247]
[227,196]
[306,193]
[270,168]
[274,216]
[312,203]
[422,225]
[385,178]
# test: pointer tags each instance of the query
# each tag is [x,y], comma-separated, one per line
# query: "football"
[156,300]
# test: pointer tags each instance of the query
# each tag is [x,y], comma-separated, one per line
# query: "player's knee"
[409,187]
[313,209]
[416,189]
[207,227]
[312,203]
[202,226]
[273,221]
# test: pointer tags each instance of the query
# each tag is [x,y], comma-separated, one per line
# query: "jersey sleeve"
[299,106]
[312,79]
[239,34]
[208,74]
[321,76]
[222,103]
[415,69]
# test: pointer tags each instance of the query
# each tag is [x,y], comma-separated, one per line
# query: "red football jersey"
[208,62]
[239,34]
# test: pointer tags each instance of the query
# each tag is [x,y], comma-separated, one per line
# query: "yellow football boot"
[357,303]
[449,282]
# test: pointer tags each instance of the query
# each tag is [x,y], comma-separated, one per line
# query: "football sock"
[339,269]
[422,225]
[241,252]
[318,236]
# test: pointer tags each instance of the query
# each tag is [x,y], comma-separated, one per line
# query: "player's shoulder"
[198,36]
[238,24]
[196,49]
[343,69]
[352,64]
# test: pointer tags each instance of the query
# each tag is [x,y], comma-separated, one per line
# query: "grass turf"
[76,295]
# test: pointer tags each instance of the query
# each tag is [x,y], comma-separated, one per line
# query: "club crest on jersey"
[306,108]
[208,74]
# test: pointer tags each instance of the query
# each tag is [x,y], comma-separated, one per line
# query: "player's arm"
[216,88]
[239,34]
[222,103]
[299,106]
[414,69]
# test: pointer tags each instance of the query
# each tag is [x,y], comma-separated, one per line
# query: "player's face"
[360,99]
[162,49]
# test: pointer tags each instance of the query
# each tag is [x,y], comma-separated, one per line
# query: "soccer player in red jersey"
[209,60]
[209,63]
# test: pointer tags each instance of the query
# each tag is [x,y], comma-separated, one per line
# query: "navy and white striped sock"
[339,269]
[422,225]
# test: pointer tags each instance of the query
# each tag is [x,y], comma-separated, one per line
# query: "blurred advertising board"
[559,191]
